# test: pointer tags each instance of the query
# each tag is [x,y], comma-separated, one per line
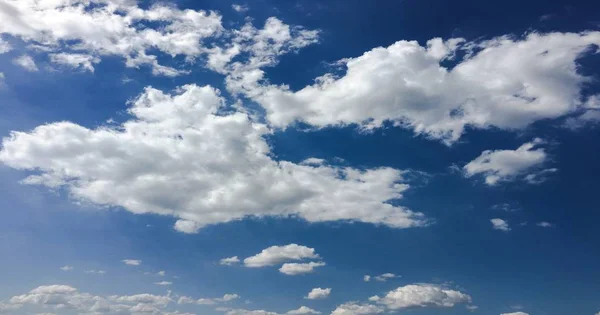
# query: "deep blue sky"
[547,271]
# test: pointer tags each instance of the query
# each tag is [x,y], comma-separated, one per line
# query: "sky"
[284,157]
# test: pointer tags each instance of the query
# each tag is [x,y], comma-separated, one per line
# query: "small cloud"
[163,283]
[229,261]
[547,17]
[318,293]
[161,273]
[26,62]
[545,224]
[500,224]
[367,278]
[385,277]
[240,8]
[96,272]
[132,262]
[472,307]
[66,268]
[293,269]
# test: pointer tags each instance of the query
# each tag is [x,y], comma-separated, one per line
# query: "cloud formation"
[185,156]
[293,269]
[318,293]
[499,224]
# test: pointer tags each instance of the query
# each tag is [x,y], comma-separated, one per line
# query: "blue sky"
[299,157]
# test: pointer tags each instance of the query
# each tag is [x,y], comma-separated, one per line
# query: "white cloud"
[208,301]
[132,262]
[385,277]
[82,61]
[150,164]
[111,28]
[275,255]
[161,273]
[26,62]
[163,283]
[504,165]
[421,295]
[62,297]
[240,8]
[504,82]
[96,272]
[4,46]
[229,261]
[367,278]
[472,308]
[318,293]
[499,224]
[353,308]
[66,268]
[293,269]
[545,224]
[515,313]
[303,310]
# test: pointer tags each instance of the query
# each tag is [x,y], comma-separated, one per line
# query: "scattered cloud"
[293,269]
[208,301]
[66,268]
[353,308]
[505,165]
[275,255]
[421,295]
[472,308]
[241,8]
[385,277]
[366,278]
[132,262]
[96,272]
[149,164]
[4,46]
[61,297]
[75,61]
[505,82]
[26,62]
[545,224]
[515,313]
[229,261]
[163,283]
[499,224]
[161,273]
[301,310]
[318,293]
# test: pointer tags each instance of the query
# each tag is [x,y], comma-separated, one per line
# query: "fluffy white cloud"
[82,61]
[367,278]
[504,165]
[110,27]
[504,82]
[161,273]
[515,313]
[4,46]
[318,293]
[353,308]
[186,156]
[64,297]
[421,295]
[208,301]
[26,62]
[132,262]
[545,224]
[293,269]
[385,277]
[275,255]
[499,224]
[301,310]
[229,261]
[66,268]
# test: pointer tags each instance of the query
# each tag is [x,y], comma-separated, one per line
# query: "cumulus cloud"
[4,46]
[505,82]
[353,308]
[504,165]
[64,297]
[26,62]
[132,262]
[75,61]
[182,155]
[318,293]
[275,255]
[545,224]
[161,273]
[515,313]
[229,261]
[499,224]
[66,268]
[303,310]
[366,278]
[421,295]
[293,269]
